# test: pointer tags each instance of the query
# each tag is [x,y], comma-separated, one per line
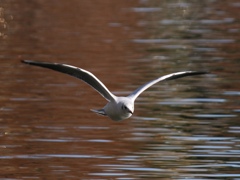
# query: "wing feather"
[172,76]
[79,73]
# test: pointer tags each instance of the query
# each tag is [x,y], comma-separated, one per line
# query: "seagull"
[117,108]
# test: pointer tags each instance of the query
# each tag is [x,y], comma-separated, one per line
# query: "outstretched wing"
[177,75]
[79,73]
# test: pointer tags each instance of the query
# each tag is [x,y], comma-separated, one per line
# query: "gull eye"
[124,107]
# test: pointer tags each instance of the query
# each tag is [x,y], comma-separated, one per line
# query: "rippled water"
[181,129]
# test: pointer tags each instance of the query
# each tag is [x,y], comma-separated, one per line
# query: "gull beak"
[130,111]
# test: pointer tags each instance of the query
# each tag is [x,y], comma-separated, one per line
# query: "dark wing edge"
[183,74]
[79,73]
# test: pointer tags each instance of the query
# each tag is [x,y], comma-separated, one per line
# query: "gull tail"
[99,111]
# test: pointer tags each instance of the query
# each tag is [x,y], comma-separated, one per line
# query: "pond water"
[182,129]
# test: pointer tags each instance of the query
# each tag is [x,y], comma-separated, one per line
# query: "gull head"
[127,108]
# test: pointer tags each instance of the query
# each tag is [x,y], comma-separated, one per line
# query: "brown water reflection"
[181,129]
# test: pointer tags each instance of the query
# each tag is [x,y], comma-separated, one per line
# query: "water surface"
[182,129]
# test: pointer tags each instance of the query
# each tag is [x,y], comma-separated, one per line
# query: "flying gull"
[117,108]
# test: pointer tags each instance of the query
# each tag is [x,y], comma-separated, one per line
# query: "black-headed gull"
[117,108]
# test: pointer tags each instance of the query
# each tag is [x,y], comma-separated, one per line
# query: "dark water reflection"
[184,129]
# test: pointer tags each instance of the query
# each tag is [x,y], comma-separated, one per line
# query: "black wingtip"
[206,72]
[35,63]
[198,72]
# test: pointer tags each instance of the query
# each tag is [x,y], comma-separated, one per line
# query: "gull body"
[117,108]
